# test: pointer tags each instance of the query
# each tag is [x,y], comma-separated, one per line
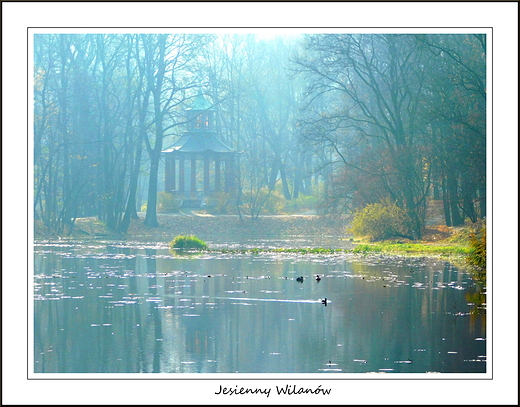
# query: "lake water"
[130,307]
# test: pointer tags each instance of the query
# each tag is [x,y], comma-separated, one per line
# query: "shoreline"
[229,227]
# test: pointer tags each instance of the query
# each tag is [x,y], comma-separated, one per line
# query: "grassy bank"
[411,248]
[399,249]
[437,240]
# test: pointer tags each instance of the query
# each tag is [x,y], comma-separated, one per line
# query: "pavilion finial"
[200,102]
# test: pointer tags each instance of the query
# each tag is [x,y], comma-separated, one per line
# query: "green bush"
[167,203]
[380,221]
[477,254]
[465,234]
[183,242]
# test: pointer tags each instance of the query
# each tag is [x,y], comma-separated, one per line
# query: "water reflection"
[134,307]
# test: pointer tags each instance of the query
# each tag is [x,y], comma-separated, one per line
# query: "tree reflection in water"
[123,308]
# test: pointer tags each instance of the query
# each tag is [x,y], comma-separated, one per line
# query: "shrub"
[477,254]
[167,203]
[274,203]
[381,221]
[183,242]
[262,200]
[221,202]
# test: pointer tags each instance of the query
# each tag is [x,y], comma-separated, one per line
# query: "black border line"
[259,378]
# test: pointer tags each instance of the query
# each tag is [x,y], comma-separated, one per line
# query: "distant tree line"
[404,117]
[356,118]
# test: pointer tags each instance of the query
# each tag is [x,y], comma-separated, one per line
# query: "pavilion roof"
[199,143]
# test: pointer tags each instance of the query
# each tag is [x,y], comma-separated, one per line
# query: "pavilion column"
[182,186]
[206,175]
[217,174]
[168,173]
[173,174]
[229,169]
[193,177]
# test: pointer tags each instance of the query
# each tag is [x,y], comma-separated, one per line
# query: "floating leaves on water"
[185,294]
[122,302]
[460,314]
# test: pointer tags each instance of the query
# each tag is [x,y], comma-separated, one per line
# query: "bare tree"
[167,59]
[379,82]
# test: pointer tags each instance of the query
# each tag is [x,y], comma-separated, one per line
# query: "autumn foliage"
[379,221]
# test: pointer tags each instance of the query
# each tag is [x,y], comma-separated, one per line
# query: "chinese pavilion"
[198,165]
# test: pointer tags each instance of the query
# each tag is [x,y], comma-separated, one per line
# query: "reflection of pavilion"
[199,165]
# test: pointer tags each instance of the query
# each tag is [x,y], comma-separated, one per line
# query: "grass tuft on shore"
[183,242]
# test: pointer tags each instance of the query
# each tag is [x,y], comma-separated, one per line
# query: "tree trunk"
[446,203]
[134,177]
[456,218]
[151,206]
[285,185]
[482,202]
